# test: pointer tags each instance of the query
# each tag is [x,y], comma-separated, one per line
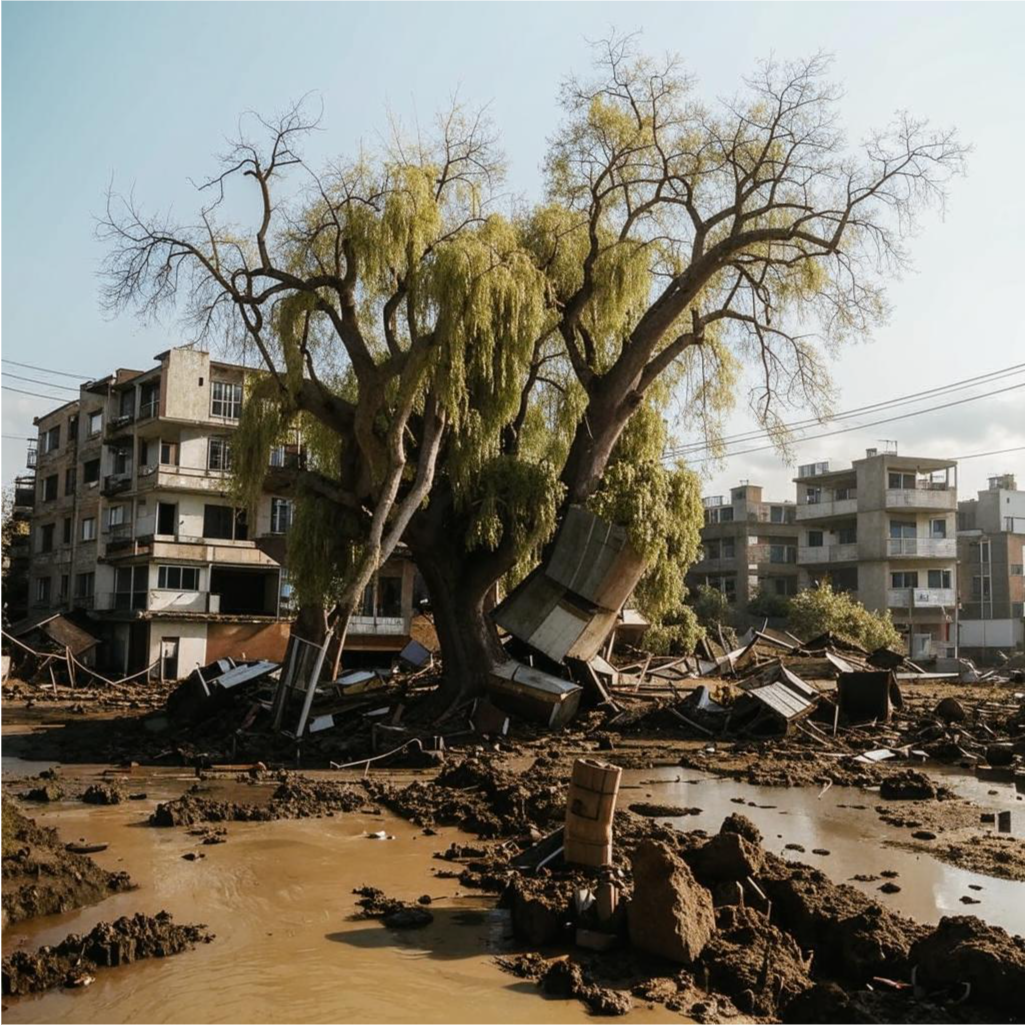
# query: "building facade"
[134,523]
[748,546]
[884,529]
[990,543]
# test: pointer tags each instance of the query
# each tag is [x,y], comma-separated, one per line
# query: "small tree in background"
[817,611]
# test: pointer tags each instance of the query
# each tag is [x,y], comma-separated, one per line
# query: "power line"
[871,423]
[35,380]
[14,437]
[38,395]
[46,370]
[995,452]
[954,386]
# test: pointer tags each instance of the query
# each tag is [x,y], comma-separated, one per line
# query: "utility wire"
[35,380]
[995,452]
[871,423]
[748,436]
[46,370]
[39,395]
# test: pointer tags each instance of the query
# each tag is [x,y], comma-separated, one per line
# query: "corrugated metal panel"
[782,700]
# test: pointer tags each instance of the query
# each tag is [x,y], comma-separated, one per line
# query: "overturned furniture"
[864,696]
[535,695]
[590,807]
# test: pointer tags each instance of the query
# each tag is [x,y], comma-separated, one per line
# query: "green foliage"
[775,606]
[711,607]
[817,610]
[676,638]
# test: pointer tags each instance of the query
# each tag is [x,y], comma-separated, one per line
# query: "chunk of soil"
[761,968]
[105,793]
[296,797]
[48,790]
[963,949]
[670,913]
[41,877]
[660,811]
[911,785]
[539,908]
[108,945]
[726,857]
[395,914]
[742,825]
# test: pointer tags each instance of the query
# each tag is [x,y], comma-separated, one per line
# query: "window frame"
[167,571]
[225,400]
[88,534]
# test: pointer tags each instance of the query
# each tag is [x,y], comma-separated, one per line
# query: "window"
[116,515]
[813,496]
[937,528]
[89,528]
[847,535]
[95,423]
[46,537]
[726,514]
[814,538]
[901,481]
[224,522]
[777,553]
[67,530]
[51,440]
[984,551]
[939,578]
[1016,569]
[729,550]
[712,549]
[50,488]
[84,584]
[149,400]
[73,429]
[277,455]
[845,494]
[280,515]
[91,471]
[980,587]
[126,405]
[775,514]
[43,589]
[70,480]
[902,528]
[220,454]
[178,578]
[904,579]
[226,401]
[122,460]
[62,593]
[169,453]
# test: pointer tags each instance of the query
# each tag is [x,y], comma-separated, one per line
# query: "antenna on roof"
[891,445]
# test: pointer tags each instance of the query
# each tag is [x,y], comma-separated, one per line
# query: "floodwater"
[278,897]
[857,840]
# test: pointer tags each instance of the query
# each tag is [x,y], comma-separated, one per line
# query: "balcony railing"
[378,625]
[919,547]
[149,408]
[115,483]
[119,425]
[936,497]
[827,553]
[920,597]
[831,507]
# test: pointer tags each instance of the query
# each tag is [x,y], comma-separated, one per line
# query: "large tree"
[461,374]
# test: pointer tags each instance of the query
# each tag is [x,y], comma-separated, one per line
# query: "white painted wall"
[992,633]
[191,647]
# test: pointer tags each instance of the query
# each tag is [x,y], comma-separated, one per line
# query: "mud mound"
[911,785]
[964,951]
[662,811]
[482,799]
[761,968]
[296,797]
[72,961]
[40,877]
[105,793]
[742,826]
[396,914]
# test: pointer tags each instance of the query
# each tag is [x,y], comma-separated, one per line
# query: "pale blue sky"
[147,92]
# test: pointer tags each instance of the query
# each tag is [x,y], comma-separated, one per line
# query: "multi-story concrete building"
[135,525]
[748,546]
[990,541]
[884,529]
[134,521]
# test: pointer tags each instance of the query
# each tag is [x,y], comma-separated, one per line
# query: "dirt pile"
[105,793]
[670,914]
[72,961]
[911,785]
[395,914]
[296,797]
[481,798]
[40,877]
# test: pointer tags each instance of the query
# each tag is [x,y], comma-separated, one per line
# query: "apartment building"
[990,543]
[884,529]
[748,546]
[134,522]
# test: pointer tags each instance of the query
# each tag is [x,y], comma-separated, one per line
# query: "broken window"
[91,471]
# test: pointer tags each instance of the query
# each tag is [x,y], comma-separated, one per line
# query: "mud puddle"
[278,897]
[843,822]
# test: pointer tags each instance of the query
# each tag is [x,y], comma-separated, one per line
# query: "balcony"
[825,510]
[158,600]
[378,626]
[938,497]
[920,597]
[183,478]
[809,554]
[718,563]
[119,426]
[115,483]
[921,547]
[150,407]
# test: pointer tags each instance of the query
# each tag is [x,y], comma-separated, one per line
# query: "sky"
[144,94]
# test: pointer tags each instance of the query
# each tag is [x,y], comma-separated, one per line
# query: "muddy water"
[278,897]
[854,836]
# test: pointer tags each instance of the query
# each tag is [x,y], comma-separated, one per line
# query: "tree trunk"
[460,585]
